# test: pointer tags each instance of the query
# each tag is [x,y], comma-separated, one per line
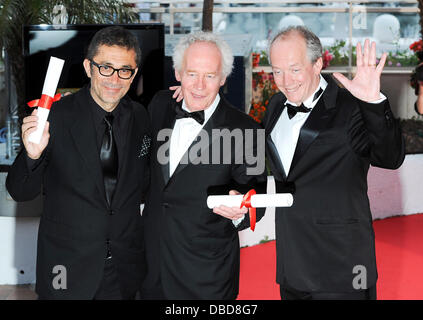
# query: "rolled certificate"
[47,97]
[257,200]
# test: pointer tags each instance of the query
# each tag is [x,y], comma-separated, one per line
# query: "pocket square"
[145,146]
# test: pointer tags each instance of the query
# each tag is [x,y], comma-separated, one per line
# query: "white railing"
[352,8]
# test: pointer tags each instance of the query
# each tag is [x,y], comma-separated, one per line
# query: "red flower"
[327,57]
[256,59]
[417,46]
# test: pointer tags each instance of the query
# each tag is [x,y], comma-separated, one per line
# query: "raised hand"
[366,83]
[29,125]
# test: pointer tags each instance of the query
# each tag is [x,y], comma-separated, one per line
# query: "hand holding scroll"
[29,126]
[233,213]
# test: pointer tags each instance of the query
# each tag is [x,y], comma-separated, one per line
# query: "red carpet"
[399,254]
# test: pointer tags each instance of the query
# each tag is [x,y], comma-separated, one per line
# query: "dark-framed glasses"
[108,71]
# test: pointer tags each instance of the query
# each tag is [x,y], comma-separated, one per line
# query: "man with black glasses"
[91,167]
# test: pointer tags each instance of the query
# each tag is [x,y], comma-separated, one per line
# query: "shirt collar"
[207,112]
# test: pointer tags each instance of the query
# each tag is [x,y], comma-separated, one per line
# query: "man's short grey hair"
[186,41]
[313,44]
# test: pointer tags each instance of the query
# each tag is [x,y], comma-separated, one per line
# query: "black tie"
[109,158]
[196,115]
[292,110]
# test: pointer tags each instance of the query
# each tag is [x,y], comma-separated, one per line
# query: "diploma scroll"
[257,200]
[47,97]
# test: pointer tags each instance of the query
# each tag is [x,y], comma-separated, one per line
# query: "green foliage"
[401,58]
[93,12]
[260,59]
[397,58]
[265,240]
[339,53]
[264,60]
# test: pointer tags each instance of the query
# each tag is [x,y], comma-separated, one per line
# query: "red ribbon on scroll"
[246,202]
[45,101]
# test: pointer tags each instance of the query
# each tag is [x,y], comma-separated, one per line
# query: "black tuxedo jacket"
[192,251]
[328,230]
[77,223]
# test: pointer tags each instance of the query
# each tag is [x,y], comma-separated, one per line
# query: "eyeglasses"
[108,71]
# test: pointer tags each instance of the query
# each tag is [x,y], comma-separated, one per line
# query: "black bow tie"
[292,110]
[196,115]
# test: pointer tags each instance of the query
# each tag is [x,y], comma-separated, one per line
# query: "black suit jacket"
[328,230]
[77,223]
[192,251]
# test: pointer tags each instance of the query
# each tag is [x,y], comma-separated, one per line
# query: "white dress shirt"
[184,133]
[286,131]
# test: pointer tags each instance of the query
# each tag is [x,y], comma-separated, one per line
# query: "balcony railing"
[171,13]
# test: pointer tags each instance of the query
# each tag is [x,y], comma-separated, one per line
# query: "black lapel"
[316,121]
[84,137]
[168,123]
[275,112]
[278,104]
[279,171]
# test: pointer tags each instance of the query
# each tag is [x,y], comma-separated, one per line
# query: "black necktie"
[109,158]
[292,110]
[196,115]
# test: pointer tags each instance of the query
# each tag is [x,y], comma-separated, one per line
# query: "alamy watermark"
[60,280]
[359,18]
[226,146]
[360,280]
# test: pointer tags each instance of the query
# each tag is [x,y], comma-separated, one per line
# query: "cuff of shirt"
[238,221]
[382,98]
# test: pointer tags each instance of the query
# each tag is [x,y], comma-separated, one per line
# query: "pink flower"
[327,57]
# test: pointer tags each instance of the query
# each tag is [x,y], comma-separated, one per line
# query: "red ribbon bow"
[246,202]
[45,101]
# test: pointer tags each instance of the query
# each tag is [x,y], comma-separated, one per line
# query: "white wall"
[18,237]
[391,192]
[396,192]
[18,246]
[400,94]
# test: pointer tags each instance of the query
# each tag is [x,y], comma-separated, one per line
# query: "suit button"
[111,212]
[166,205]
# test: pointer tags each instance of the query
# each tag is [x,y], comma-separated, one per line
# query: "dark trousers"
[109,288]
[293,294]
